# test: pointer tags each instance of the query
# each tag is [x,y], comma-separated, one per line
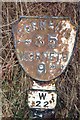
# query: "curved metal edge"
[56,17]
[37,17]
[48,17]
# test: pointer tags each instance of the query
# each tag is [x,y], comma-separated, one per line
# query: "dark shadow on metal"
[42,115]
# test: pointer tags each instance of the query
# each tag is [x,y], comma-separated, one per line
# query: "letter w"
[42,95]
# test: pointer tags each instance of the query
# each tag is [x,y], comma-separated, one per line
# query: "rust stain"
[50,101]
[33,104]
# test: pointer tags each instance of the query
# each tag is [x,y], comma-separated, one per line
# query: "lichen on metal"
[44,45]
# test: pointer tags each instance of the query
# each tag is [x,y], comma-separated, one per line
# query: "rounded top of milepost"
[44,45]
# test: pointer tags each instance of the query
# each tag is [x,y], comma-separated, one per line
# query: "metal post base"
[36,114]
[42,100]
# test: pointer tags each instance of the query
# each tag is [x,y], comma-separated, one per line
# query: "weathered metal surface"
[43,86]
[42,99]
[44,45]
[42,95]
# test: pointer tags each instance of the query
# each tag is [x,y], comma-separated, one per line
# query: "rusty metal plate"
[44,45]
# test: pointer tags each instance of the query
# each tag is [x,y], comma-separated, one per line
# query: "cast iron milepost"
[44,47]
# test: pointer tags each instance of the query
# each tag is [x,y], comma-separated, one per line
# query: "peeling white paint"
[64,40]
[45,87]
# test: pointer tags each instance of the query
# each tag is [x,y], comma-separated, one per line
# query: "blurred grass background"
[14,79]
